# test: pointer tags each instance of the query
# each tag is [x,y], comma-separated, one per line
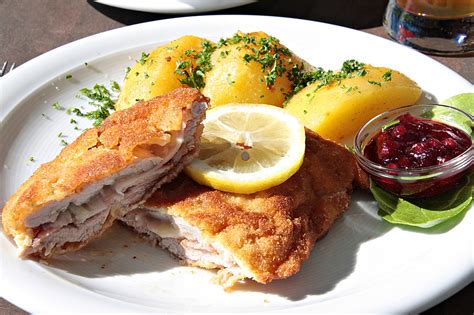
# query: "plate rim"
[176,7]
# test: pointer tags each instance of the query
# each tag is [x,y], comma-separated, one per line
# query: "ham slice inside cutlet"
[263,236]
[106,172]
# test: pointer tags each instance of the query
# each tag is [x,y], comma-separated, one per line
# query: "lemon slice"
[247,148]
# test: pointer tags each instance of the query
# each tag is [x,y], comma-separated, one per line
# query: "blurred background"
[32,27]
[40,19]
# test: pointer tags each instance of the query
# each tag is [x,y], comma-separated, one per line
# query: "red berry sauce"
[414,143]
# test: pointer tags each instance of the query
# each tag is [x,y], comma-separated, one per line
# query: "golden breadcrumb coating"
[271,232]
[98,153]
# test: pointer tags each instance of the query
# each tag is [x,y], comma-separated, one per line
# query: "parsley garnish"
[352,88]
[31,159]
[362,72]
[390,124]
[387,76]
[99,97]
[57,106]
[194,75]
[143,58]
[236,39]
[302,79]
[269,53]
[352,65]
[224,53]
[114,86]
[69,76]
[75,110]
[127,70]
[374,82]
[63,142]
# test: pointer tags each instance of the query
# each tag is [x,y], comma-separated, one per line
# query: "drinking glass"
[439,27]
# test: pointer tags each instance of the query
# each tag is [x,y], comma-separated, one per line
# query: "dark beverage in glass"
[441,27]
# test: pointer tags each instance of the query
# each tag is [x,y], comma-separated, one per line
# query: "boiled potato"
[337,111]
[236,77]
[156,74]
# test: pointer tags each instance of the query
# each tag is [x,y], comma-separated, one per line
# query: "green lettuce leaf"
[424,213]
[464,102]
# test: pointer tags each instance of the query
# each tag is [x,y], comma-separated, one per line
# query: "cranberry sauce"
[413,143]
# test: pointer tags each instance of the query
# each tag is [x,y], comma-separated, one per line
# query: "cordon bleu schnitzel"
[104,173]
[262,236]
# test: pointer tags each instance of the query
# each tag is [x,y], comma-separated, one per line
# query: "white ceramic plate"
[362,265]
[175,6]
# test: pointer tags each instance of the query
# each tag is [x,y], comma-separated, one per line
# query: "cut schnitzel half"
[104,173]
[262,236]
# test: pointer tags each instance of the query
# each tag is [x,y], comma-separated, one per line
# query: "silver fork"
[4,70]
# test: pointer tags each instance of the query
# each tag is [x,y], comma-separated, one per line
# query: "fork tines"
[4,67]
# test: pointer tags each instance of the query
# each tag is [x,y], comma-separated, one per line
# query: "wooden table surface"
[29,28]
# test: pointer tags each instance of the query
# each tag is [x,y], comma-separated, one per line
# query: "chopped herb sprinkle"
[374,82]
[31,159]
[302,79]
[390,124]
[352,65]
[63,142]
[101,98]
[143,58]
[352,89]
[68,77]
[77,111]
[114,86]
[387,76]
[269,53]
[194,74]
[224,53]
[362,72]
[57,106]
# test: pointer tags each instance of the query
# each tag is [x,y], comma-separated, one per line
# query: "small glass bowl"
[424,181]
